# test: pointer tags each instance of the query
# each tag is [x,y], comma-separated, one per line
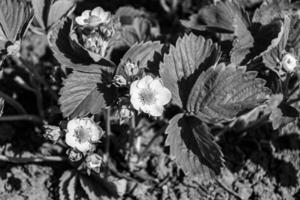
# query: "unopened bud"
[52,133]
[289,62]
[94,162]
[131,69]
[74,155]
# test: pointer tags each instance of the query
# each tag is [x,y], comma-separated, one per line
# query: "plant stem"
[158,133]
[107,146]
[132,135]
[33,159]
[26,117]
[16,105]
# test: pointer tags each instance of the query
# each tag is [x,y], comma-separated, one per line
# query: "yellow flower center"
[147,97]
[82,134]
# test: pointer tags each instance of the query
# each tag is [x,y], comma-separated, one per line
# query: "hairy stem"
[107,146]
[25,117]
[33,159]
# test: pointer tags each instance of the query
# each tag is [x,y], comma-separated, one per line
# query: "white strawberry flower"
[149,95]
[93,17]
[289,62]
[82,134]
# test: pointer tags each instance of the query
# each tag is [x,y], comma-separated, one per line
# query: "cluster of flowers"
[94,29]
[147,93]
[81,135]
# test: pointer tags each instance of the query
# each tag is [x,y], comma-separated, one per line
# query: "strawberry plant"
[111,76]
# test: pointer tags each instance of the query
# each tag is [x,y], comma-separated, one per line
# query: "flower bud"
[125,112]
[74,155]
[52,133]
[119,80]
[94,162]
[131,69]
[289,62]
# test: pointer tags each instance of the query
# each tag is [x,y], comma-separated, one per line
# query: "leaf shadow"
[258,147]
[186,83]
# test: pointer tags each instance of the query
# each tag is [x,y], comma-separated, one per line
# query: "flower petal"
[80,20]
[70,139]
[133,87]
[163,96]
[98,11]
[73,125]
[144,82]
[154,109]
[86,14]
[136,101]
[156,84]
[84,147]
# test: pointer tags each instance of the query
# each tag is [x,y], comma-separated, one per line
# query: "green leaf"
[67,185]
[243,41]
[140,54]
[97,188]
[84,93]
[183,64]
[293,43]
[276,50]
[193,148]
[216,18]
[269,10]
[48,12]
[15,17]
[66,55]
[139,30]
[126,14]
[222,92]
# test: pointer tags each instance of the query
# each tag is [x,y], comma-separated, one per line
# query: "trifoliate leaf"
[64,52]
[48,12]
[67,185]
[15,16]
[84,93]
[183,64]
[216,18]
[139,54]
[221,92]
[243,41]
[193,148]
[97,188]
